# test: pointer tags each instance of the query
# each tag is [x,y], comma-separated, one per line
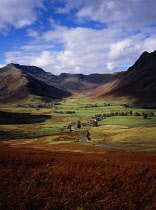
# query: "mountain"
[82,83]
[138,82]
[67,81]
[18,83]
[16,86]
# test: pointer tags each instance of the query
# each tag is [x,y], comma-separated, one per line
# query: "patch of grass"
[138,135]
[128,120]
[79,106]
[95,135]
[125,135]
[8,134]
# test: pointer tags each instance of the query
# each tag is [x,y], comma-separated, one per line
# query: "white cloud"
[81,49]
[119,49]
[18,57]
[32,33]
[43,59]
[77,70]
[111,66]
[56,34]
[18,13]
[35,48]
[126,13]
[2,65]
[66,58]
[84,50]
[149,43]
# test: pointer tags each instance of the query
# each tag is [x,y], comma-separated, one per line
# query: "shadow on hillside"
[7,118]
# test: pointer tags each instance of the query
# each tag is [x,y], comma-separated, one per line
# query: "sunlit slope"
[17,86]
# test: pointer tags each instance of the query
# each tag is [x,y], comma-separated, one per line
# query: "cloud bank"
[97,36]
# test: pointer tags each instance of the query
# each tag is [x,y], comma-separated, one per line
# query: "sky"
[76,36]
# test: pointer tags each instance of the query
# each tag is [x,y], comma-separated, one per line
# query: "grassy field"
[31,123]
[119,130]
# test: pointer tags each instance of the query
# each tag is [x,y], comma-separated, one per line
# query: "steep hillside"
[138,82]
[16,86]
[13,86]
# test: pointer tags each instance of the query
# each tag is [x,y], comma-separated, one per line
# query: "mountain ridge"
[138,82]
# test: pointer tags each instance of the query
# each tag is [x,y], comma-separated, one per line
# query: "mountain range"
[19,82]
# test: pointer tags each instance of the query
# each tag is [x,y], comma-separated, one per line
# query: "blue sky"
[85,36]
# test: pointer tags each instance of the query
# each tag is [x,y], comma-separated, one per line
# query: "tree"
[145,115]
[95,123]
[151,114]
[116,113]
[104,115]
[78,124]
[136,114]
[122,113]
[112,114]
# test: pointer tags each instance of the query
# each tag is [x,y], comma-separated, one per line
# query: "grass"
[117,132]
[78,105]
[128,121]
[29,123]
[8,133]
[125,135]
[137,135]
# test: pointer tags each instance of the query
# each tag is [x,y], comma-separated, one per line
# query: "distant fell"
[68,81]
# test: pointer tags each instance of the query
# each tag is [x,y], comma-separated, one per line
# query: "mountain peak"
[145,59]
[145,53]
[10,65]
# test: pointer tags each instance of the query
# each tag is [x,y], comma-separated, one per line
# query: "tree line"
[66,112]
[126,113]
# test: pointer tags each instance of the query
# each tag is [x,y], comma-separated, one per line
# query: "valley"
[118,124]
[78,142]
[78,105]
